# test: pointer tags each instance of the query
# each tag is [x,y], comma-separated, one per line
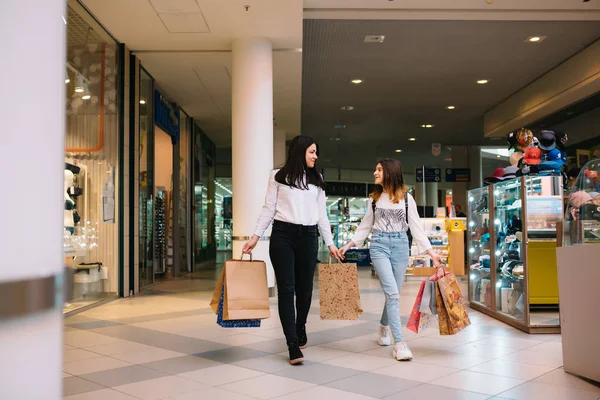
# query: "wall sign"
[166,116]
[429,175]
[458,175]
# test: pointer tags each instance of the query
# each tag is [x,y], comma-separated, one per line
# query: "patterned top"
[390,217]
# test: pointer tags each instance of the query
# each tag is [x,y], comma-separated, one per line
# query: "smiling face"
[311,156]
[378,175]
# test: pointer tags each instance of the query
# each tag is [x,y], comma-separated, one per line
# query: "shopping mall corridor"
[165,344]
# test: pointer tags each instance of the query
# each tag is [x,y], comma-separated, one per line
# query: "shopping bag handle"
[338,261]
[437,271]
[242,257]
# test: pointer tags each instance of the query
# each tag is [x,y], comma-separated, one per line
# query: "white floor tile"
[87,339]
[508,341]
[542,391]
[478,383]
[240,340]
[324,393]
[160,388]
[512,370]
[147,355]
[78,355]
[481,350]
[535,358]
[559,377]
[118,348]
[103,394]
[93,365]
[209,394]
[452,360]
[221,374]
[267,386]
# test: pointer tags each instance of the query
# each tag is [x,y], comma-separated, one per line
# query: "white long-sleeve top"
[390,217]
[295,206]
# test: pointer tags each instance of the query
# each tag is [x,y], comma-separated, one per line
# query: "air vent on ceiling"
[374,38]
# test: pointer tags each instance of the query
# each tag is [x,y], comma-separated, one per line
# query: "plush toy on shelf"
[519,142]
[549,159]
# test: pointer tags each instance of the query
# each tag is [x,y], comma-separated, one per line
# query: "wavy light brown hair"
[393,181]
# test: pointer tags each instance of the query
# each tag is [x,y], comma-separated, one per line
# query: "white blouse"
[295,206]
[390,217]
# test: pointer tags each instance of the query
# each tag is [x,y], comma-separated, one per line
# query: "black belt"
[294,227]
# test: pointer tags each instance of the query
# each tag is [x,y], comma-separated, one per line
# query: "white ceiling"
[185,45]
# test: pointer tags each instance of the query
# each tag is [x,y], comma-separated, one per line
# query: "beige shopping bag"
[339,292]
[246,294]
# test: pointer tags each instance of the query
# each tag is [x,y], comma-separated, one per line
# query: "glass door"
[146,180]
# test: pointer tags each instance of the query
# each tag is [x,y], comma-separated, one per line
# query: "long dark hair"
[393,181]
[292,173]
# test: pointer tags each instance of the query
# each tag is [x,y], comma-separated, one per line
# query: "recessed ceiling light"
[412,139]
[450,107]
[374,38]
[499,156]
[398,151]
[482,81]
[347,108]
[535,39]
[142,101]
[427,126]
[357,81]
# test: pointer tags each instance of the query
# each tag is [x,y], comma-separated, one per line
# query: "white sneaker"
[384,336]
[401,352]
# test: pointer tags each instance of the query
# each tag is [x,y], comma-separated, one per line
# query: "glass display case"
[579,273]
[479,247]
[582,216]
[512,250]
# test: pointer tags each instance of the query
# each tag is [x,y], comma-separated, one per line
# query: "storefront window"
[223,213]
[204,196]
[146,206]
[91,161]
[184,180]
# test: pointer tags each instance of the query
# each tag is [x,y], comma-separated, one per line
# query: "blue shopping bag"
[234,323]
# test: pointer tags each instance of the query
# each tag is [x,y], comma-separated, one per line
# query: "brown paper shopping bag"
[443,318]
[454,304]
[339,292]
[246,294]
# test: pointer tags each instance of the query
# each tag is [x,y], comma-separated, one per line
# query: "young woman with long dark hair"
[295,203]
[391,212]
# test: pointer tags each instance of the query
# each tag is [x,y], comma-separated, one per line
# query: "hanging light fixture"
[67,79]
[79,83]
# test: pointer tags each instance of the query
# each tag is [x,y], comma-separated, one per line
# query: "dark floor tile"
[180,365]
[232,354]
[123,376]
[317,373]
[75,385]
[373,385]
[94,324]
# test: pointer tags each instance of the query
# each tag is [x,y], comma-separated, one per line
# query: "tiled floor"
[166,345]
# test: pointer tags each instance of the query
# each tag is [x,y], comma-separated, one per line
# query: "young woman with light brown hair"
[391,212]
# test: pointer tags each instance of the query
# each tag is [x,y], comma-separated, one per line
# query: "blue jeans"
[389,255]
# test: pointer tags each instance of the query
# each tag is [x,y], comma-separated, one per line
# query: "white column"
[252,139]
[31,166]
[279,151]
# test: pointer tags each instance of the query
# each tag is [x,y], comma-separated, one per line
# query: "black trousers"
[293,250]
